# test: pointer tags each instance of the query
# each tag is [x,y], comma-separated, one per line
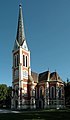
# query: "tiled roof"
[55,76]
[43,76]
[52,76]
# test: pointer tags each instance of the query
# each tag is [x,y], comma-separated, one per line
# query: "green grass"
[37,115]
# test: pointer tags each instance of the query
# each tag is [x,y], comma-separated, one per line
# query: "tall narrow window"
[60,93]
[26,61]
[52,92]
[17,60]
[41,93]
[36,92]
[23,60]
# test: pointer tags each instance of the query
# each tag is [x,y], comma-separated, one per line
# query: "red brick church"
[29,89]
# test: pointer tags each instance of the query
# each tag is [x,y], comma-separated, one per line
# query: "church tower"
[21,68]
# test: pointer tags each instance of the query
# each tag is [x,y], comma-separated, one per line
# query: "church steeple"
[20,37]
[21,67]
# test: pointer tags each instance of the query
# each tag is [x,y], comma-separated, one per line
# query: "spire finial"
[48,69]
[20,2]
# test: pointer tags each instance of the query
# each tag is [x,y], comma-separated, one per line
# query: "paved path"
[8,111]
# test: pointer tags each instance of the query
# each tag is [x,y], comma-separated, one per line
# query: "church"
[29,89]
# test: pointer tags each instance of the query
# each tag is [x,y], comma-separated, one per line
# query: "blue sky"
[47,28]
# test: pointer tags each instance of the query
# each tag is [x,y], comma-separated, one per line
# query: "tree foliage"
[3,92]
[67,94]
[8,97]
[5,95]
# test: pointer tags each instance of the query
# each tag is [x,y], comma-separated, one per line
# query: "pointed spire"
[20,37]
[20,30]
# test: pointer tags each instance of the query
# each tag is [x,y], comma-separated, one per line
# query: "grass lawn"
[37,115]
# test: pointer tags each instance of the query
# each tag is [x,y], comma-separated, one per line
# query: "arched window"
[52,92]
[36,94]
[41,91]
[16,74]
[26,61]
[60,92]
[16,90]
[17,60]
[23,60]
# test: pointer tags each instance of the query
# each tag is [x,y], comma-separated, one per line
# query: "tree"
[3,93]
[67,94]
[8,97]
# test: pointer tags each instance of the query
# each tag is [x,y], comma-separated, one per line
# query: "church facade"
[29,89]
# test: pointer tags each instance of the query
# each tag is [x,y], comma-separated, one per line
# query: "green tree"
[67,94]
[3,93]
[8,97]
